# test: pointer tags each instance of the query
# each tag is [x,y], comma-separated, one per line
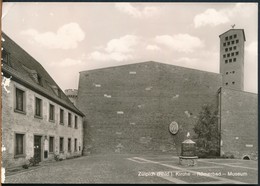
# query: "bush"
[228,156]
[25,166]
[33,161]
[202,153]
[56,157]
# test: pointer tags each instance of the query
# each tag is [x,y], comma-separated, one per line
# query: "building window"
[230,60]
[224,56]
[234,47]
[233,72]
[51,144]
[235,36]
[226,38]
[76,122]
[52,113]
[20,100]
[61,145]
[228,55]
[233,42]
[230,48]
[234,59]
[38,107]
[237,53]
[237,41]
[233,82]
[69,119]
[226,83]
[230,37]
[75,145]
[69,144]
[226,49]
[226,61]
[226,72]
[228,43]
[61,116]
[224,44]
[232,54]
[19,144]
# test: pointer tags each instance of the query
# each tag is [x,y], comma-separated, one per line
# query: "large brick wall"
[151,95]
[239,123]
[27,124]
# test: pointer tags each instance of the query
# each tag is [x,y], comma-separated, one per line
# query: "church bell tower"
[232,58]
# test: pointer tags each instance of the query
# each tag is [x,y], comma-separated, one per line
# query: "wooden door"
[37,147]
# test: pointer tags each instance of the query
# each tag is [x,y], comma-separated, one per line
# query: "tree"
[207,132]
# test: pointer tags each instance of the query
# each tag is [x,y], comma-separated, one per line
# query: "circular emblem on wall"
[173,127]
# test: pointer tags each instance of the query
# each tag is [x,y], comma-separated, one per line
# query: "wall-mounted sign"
[173,127]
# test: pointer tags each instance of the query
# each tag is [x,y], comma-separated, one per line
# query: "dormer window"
[5,57]
[37,78]
[56,90]
[34,75]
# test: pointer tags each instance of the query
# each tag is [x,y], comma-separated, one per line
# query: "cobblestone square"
[139,169]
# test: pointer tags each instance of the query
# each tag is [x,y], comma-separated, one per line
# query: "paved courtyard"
[139,169]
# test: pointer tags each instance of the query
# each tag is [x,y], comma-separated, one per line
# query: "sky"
[67,38]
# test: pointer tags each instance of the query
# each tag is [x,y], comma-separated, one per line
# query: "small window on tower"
[230,48]
[226,83]
[235,36]
[226,61]
[228,55]
[233,42]
[235,47]
[237,53]
[237,41]
[228,43]
[230,60]
[233,72]
[232,54]
[226,38]
[224,56]
[230,37]
[227,73]
[224,44]
[234,59]
[226,49]
[233,82]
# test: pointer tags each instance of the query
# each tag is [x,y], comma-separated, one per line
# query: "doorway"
[37,148]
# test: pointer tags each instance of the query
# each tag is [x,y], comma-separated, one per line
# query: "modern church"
[142,108]
[129,108]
